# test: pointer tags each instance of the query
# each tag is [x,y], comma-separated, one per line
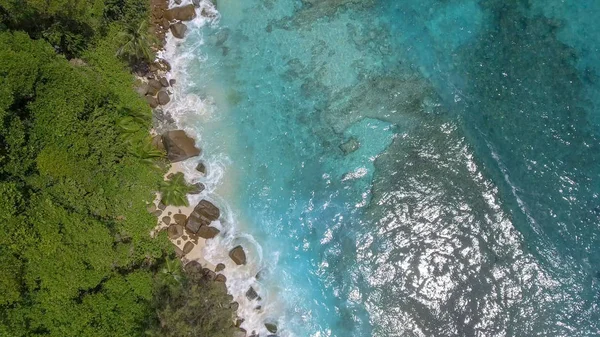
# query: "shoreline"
[168,23]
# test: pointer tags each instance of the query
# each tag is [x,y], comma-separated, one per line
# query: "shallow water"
[470,206]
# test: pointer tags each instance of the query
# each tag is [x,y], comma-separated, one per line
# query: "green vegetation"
[77,169]
[136,43]
[174,190]
[189,305]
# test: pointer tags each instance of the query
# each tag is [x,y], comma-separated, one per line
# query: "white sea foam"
[187,109]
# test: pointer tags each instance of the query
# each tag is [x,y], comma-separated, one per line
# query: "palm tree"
[174,191]
[137,42]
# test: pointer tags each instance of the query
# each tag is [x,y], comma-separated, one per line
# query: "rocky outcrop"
[197,188]
[238,255]
[182,13]
[163,97]
[207,232]
[251,294]
[272,328]
[179,146]
[201,168]
[204,213]
[178,29]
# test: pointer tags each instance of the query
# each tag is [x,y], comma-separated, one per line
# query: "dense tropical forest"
[76,172]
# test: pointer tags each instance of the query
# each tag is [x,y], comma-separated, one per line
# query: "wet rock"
[163,97]
[235,306]
[207,232]
[239,333]
[178,2]
[178,29]
[152,101]
[188,247]
[164,82]
[196,3]
[221,278]
[166,220]
[219,267]
[251,294]
[157,143]
[180,219]
[175,232]
[179,146]
[272,328]
[198,188]
[172,81]
[182,13]
[204,213]
[350,146]
[201,168]
[209,274]
[238,255]
[238,322]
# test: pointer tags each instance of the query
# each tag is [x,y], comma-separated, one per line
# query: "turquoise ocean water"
[470,206]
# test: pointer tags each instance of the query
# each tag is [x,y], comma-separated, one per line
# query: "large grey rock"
[204,213]
[180,219]
[178,29]
[175,232]
[164,82]
[182,13]
[207,232]
[163,97]
[251,294]
[238,255]
[154,84]
[198,188]
[272,328]
[179,146]
[152,101]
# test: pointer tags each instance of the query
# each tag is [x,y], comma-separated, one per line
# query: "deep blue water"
[470,207]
